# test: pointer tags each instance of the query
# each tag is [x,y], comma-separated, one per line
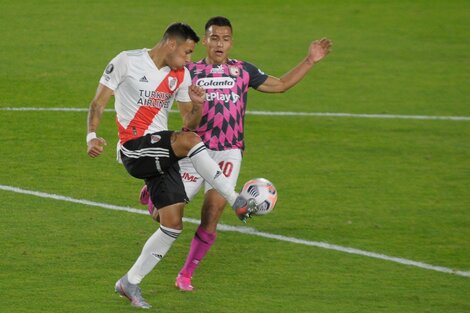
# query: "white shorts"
[229,162]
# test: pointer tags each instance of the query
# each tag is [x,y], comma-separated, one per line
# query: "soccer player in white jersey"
[144,83]
[226,82]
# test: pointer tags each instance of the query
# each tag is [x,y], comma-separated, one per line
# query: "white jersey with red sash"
[143,93]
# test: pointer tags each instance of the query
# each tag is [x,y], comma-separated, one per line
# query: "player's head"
[218,39]
[180,39]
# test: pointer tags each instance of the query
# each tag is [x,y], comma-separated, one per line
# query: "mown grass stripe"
[274,113]
[249,231]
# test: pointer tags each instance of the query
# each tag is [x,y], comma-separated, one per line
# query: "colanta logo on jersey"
[216,82]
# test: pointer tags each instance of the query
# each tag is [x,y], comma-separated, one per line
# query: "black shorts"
[152,159]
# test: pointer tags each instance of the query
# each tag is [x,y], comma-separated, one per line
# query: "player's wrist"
[309,61]
[90,137]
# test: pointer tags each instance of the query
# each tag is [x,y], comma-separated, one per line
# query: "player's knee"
[192,139]
[183,142]
[188,140]
[173,224]
[171,216]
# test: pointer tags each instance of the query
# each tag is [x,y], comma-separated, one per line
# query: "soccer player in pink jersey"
[226,82]
[144,84]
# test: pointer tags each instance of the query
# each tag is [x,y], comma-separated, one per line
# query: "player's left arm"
[191,112]
[316,52]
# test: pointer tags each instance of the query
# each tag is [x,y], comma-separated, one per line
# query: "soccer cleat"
[131,292]
[183,283]
[244,208]
[144,199]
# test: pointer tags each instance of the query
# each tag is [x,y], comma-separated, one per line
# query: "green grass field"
[398,187]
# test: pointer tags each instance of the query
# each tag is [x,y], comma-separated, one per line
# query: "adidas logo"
[143,80]
[158,256]
[217,174]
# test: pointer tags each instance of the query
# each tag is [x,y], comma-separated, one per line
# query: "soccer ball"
[264,193]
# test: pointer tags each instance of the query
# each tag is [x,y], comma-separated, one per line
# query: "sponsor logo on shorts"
[189,178]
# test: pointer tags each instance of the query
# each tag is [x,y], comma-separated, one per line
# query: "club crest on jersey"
[234,71]
[155,138]
[172,82]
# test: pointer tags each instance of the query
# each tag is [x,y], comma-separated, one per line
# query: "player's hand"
[96,146]
[197,94]
[319,49]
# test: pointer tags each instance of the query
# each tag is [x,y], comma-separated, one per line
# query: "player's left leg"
[168,194]
[159,243]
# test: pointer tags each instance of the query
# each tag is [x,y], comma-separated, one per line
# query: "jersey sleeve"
[114,71]
[257,77]
[182,94]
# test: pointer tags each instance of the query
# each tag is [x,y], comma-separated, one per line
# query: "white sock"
[211,172]
[154,250]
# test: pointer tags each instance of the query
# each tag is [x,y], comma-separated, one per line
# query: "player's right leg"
[212,209]
[203,239]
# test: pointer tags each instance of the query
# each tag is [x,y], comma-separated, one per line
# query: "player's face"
[181,52]
[218,42]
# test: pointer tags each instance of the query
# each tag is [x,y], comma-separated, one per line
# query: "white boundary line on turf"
[249,231]
[273,113]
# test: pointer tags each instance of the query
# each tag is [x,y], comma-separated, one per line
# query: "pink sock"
[200,245]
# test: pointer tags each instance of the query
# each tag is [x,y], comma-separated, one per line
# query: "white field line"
[249,231]
[271,113]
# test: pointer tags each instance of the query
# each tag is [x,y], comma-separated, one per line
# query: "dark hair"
[218,21]
[180,31]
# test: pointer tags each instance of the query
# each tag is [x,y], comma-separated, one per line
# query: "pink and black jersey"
[143,93]
[226,86]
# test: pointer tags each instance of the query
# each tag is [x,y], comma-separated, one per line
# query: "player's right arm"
[191,112]
[95,144]
[190,99]
[112,76]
